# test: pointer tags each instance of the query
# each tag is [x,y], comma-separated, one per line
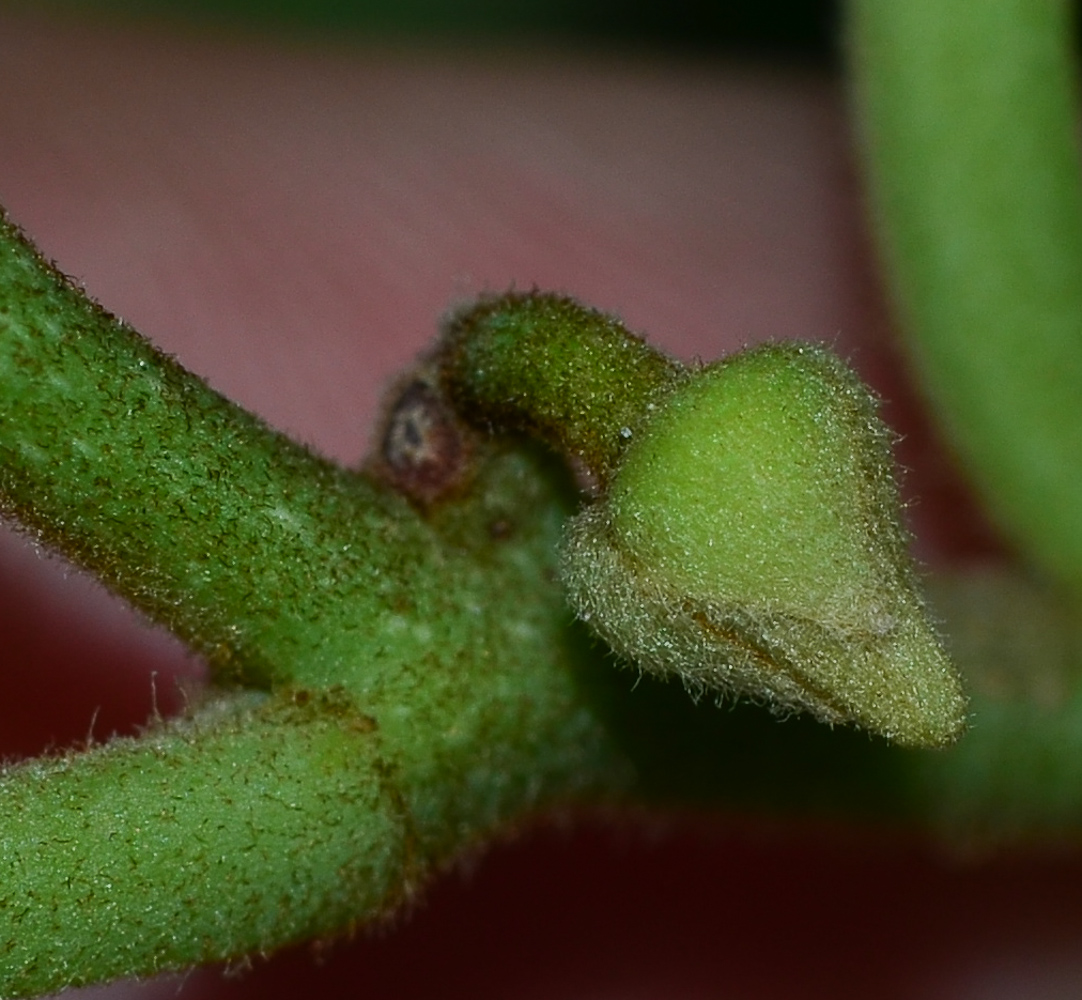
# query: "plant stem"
[970,145]
[544,365]
[238,539]
[194,844]
[434,650]
[427,685]
[251,827]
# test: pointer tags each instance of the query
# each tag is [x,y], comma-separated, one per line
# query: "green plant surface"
[435,686]
[400,678]
[371,626]
[752,542]
[572,377]
[969,129]
[748,538]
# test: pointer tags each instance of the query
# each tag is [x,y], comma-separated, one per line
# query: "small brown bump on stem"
[423,452]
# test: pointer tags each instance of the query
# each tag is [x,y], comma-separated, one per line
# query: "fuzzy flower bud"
[750,543]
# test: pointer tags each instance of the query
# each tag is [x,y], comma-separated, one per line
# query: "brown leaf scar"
[422,451]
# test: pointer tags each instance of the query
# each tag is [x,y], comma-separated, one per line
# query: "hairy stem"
[427,684]
[241,539]
[970,126]
[195,843]
[434,649]
[250,827]
[548,366]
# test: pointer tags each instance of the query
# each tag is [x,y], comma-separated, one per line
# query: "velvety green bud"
[751,544]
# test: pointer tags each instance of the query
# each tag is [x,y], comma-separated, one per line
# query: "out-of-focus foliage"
[785,27]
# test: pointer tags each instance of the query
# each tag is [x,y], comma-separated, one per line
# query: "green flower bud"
[750,543]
